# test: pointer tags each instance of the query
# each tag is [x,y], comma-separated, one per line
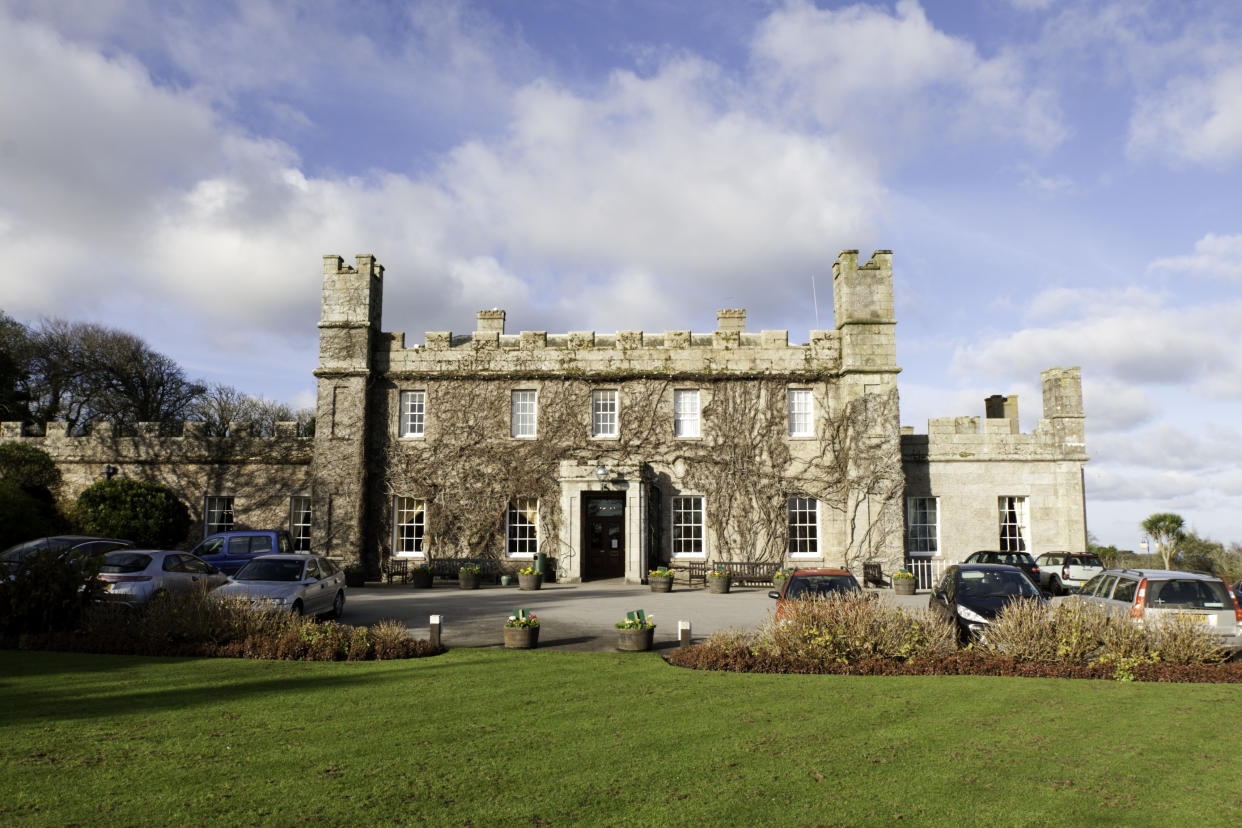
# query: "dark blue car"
[230,551]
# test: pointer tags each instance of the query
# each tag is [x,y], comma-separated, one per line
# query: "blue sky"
[1059,182]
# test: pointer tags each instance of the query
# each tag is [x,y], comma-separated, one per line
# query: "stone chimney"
[731,320]
[1001,407]
[490,321]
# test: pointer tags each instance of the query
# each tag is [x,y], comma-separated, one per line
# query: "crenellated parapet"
[1058,435]
[148,445]
[729,349]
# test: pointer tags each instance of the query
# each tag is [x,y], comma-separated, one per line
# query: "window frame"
[601,416]
[675,524]
[529,530]
[408,419]
[911,524]
[794,413]
[682,415]
[791,511]
[518,415]
[227,509]
[417,509]
[1020,506]
[299,532]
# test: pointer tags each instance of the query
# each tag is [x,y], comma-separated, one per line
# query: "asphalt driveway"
[571,616]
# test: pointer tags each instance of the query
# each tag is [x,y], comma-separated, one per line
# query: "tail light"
[1140,598]
[1035,569]
[124,579]
[1065,573]
[1237,608]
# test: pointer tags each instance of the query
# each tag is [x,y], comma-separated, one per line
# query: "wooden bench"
[396,566]
[873,573]
[745,573]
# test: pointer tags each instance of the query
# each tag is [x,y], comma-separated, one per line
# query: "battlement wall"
[103,445]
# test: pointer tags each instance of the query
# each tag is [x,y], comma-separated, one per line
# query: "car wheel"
[1054,586]
[296,609]
[338,605]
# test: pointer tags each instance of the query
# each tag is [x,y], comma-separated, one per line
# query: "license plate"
[1202,618]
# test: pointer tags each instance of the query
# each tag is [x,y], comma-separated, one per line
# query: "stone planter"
[521,638]
[353,580]
[505,580]
[903,586]
[719,586]
[422,580]
[533,581]
[660,584]
[635,641]
[468,580]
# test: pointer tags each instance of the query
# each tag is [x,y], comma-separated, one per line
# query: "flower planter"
[660,584]
[353,580]
[468,580]
[532,581]
[421,580]
[521,638]
[903,586]
[635,641]
[719,586]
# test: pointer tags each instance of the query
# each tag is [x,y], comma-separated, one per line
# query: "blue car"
[230,551]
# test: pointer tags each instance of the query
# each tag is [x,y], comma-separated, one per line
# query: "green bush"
[27,507]
[149,514]
[28,466]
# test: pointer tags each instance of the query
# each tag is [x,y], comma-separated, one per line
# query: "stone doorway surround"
[624,479]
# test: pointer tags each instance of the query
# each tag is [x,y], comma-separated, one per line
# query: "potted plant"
[521,630]
[355,576]
[421,575]
[903,582]
[719,580]
[528,578]
[660,579]
[779,577]
[636,632]
[469,575]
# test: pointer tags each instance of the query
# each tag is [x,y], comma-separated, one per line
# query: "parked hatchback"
[1061,572]
[811,584]
[972,595]
[82,546]
[1021,560]
[134,576]
[1148,595]
[300,584]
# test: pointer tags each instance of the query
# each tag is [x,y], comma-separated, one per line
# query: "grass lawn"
[489,737]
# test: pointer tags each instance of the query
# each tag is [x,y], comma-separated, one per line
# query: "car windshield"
[125,562]
[976,584]
[819,586]
[271,570]
[1188,594]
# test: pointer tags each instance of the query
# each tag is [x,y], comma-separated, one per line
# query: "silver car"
[1147,595]
[134,576]
[300,584]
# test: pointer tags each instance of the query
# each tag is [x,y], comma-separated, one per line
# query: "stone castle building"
[613,453]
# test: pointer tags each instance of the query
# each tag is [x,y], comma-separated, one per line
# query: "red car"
[804,584]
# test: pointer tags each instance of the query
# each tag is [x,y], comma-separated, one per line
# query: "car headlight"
[970,615]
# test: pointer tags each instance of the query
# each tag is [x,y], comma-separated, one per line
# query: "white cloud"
[1218,256]
[884,78]
[1194,118]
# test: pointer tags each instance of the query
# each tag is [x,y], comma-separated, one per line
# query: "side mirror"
[774,594]
[938,594]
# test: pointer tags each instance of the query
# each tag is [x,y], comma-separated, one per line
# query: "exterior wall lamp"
[601,471]
[110,471]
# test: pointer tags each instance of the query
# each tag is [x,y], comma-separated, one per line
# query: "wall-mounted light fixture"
[601,471]
[110,471]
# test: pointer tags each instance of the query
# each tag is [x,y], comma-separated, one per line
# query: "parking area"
[571,616]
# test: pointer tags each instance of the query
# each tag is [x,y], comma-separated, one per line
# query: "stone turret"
[862,304]
[349,327]
[1063,407]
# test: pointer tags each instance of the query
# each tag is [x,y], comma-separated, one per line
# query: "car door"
[173,575]
[317,597]
[202,575]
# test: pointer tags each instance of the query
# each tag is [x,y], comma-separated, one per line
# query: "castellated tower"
[348,328]
[862,304]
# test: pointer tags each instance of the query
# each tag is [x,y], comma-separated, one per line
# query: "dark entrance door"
[603,531]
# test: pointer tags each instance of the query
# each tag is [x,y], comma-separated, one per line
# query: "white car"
[134,576]
[300,584]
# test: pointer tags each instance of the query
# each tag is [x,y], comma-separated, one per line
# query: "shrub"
[27,506]
[149,514]
[201,624]
[48,592]
[28,466]
[849,629]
